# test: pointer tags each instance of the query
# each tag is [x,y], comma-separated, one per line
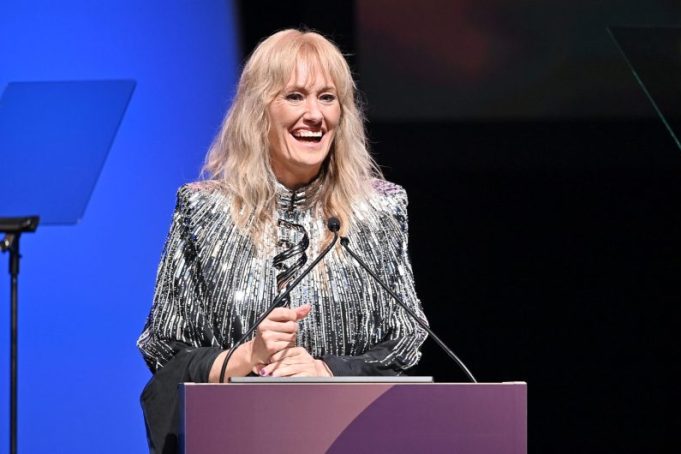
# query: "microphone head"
[333,224]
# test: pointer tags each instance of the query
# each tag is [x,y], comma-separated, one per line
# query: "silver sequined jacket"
[212,283]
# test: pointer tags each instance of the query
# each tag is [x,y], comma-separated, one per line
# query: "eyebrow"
[303,88]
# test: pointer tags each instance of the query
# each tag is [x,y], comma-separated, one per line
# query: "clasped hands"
[274,351]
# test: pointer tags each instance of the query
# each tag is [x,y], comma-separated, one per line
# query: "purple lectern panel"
[355,418]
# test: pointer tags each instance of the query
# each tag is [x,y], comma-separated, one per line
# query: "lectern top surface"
[330,380]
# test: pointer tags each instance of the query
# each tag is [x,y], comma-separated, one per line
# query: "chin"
[305,156]
[309,165]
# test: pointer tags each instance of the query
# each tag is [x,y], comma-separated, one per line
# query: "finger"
[302,311]
[270,348]
[287,359]
[275,347]
[290,370]
[281,327]
[269,369]
[288,353]
[304,373]
[295,370]
[282,314]
[274,336]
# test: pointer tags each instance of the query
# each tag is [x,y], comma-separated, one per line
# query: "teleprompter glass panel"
[54,140]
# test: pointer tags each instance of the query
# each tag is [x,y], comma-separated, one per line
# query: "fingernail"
[263,373]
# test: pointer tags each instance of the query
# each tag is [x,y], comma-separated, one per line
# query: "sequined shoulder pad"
[391,199]
[390,195]
[203,203]
[201,193]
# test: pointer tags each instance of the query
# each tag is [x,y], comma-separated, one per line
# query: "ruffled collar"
[300,198]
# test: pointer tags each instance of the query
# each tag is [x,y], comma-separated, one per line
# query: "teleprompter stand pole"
[13,228]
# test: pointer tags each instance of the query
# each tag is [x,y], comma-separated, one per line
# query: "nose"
[313,113]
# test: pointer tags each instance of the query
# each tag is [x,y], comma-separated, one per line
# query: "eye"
[294,97]
[327,97]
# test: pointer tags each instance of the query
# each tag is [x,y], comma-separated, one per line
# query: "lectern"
[331,417]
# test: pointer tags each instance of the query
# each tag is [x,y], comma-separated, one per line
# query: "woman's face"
[303,121]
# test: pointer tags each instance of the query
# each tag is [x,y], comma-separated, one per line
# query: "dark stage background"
[544,202]
[545,235]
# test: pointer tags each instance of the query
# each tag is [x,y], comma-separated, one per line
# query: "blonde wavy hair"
[240,156]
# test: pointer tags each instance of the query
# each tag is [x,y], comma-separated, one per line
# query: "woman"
[291,153]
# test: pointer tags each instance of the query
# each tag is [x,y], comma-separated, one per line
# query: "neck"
[300,197]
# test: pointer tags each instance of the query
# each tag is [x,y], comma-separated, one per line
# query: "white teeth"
[304,133]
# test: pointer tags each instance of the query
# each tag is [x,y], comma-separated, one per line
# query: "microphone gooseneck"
[345,243]
[333,224]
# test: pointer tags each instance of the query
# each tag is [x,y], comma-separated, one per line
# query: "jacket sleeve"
[400,346]
[177,342]
[177,320]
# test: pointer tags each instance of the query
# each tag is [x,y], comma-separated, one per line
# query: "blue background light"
[85,290]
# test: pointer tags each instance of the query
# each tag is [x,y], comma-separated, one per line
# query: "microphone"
[344,242]
[333,224]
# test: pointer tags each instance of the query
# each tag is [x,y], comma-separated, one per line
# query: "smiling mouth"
[308,136]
